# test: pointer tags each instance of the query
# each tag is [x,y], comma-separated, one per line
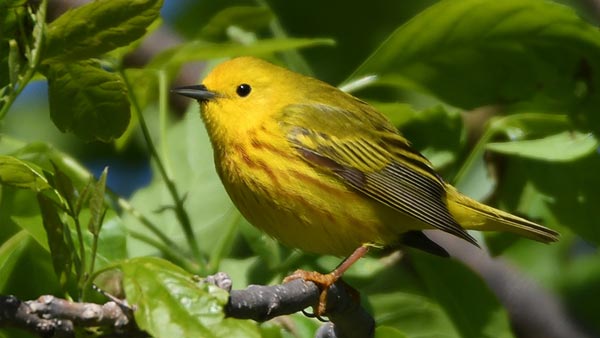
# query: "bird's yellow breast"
[281,194]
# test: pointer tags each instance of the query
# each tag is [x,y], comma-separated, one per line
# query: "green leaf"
[388,332]
[474,179]
[187,155]
[476,52]
[563,147]
[580,280]
[17,173]
[112,243]
[24,212]
[437,133]
[415,315]
[399,113]
[120,53]
[522,124]
[88,101]
[476,182]
[559,194]
[271,330]
[265,247]
[63,184]
[145,90]
[171,304]
[83,197]
[99,27]
[97,208]
[32,260]
[399,299]
[10,252]
[59,240]
[474,310]
[4,71]
[34,227]
[249,18]
[200,50]
[11,13]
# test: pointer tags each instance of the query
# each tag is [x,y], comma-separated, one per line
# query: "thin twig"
[49,316]
[180,213]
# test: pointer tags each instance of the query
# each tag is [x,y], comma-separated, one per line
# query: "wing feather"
[370,156]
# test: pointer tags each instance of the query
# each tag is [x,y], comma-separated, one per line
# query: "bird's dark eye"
[243,90]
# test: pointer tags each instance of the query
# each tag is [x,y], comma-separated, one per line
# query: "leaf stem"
[81,271]
[229,227]
[495,126]
[82,174]
[76,170]
[475,153]
[162,120]
[179,210]
[125,205]
[96,237]
[292,57]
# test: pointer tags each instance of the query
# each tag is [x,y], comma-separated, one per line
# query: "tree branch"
[261,303]
[49,316]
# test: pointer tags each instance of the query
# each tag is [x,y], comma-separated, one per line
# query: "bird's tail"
[473,215]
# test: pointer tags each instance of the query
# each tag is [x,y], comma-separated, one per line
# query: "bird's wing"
[365,151]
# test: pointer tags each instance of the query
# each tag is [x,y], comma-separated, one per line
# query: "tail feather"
[471,214]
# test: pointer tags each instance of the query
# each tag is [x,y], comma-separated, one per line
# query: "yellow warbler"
[323,171]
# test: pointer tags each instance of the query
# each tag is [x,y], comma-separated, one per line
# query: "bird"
[324,172]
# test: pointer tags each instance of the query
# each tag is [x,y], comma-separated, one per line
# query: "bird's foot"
[323,282]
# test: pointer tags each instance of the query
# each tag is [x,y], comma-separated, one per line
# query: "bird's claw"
[323,282]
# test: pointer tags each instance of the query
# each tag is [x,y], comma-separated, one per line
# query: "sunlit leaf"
[476,52]
[99,27]
[10,252]
[34,227]
[112,242]
[189,159]
[415,315]
[170,303]
[17,173]
[388,332]
[566,146]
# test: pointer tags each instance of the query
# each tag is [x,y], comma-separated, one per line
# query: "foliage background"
[501,96]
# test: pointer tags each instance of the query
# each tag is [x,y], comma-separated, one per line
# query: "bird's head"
[243,93]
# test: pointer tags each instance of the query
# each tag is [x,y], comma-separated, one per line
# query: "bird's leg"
[324,281]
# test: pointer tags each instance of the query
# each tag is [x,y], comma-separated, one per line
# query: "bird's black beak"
[198,92]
